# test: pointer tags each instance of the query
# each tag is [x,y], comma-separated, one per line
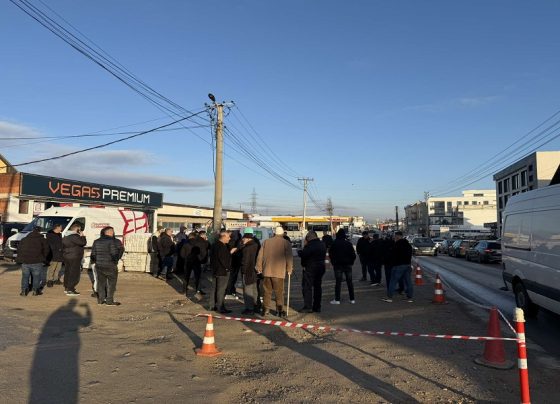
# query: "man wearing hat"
[274,260]
[249,251]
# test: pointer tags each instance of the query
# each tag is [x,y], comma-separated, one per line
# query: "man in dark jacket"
[221,267]
[401,258]
[375,257]
[73,253]
[362,248]
[105,254]
[55,258]
[191,255]
[342,256]
[249,252]
[313,263]
[166,248]
[328,240]
[31,254]
[234,242]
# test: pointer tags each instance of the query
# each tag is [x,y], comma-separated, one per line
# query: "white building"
[473,212]
[532,172]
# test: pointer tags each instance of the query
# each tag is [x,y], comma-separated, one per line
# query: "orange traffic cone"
[439,297]
[208,345]
[418,280]
[494,353]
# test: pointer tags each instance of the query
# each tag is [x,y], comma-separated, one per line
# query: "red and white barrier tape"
[352,330]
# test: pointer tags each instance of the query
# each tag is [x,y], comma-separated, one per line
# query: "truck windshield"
[46,223]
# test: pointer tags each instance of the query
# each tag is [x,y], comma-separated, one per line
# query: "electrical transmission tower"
[254,202]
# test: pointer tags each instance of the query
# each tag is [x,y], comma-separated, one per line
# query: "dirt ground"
[56,349]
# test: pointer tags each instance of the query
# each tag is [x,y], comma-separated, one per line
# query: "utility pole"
[219,174]
[426,197]
[397,216]
[305,180]
[330,211]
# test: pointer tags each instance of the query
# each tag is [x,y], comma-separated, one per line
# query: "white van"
[92,220]
[531,249]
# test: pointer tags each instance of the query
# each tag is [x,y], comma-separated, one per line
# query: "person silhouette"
[55,374]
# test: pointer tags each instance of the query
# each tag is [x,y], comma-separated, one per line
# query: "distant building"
[416,218]
[469,214]
[532,172]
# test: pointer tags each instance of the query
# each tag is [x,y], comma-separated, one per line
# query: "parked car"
[531,249]
[423,246]
[460,247]
[485,251]
[437,242]
[445,246]
[8,229]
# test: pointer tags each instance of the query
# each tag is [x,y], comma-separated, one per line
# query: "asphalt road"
[481,283]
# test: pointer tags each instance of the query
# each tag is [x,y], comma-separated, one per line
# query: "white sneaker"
[231,297]
[335,301]
[352,302]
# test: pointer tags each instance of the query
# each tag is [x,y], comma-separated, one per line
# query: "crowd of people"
[235,260]
[46,260]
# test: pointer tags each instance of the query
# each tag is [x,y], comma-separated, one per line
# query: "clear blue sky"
[378,101]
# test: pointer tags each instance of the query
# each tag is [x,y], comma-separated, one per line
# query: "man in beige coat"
[274,260]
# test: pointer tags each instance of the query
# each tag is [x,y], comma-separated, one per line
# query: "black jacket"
[203,247]
[342,251]
[328,240]
[32,249]
[249,254]
[73,247]
[313,256]
[106,252]
[401,253]
[388,245]
[55,245]
[166,246]
[362,246]
[190,252]
[220,259]
[376,252]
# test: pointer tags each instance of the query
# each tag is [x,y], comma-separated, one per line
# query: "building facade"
[416,218]
[532,172]
[475,211]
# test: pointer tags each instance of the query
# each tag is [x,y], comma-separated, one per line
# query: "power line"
[104,144]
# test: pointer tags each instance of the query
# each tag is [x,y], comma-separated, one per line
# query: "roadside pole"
[217,217]
[305,180]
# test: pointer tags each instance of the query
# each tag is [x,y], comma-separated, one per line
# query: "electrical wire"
[104,144]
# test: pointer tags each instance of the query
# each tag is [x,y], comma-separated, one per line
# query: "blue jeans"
[35,270]
[400,272]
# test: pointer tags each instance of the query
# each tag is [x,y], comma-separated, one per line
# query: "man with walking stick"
[274,261]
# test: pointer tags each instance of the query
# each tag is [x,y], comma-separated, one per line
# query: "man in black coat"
[342,256]
[375,257]
[362,247]
[192,258]
[105,254]
[221,267]
[313,262]
[31,254]
[249,251]
[73,253]
[55,257]
[166,248]
[401,257]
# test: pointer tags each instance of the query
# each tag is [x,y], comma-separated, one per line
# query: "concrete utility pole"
[305,180]
[254,202]
[426,197]
[219,178]
[397,216]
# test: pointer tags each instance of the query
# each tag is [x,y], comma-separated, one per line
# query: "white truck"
[531,249]
[92,220]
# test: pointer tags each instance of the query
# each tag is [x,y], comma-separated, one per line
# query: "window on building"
[530,168]
[474,202]
[514,193]
[486,203]
[478,195]
[506,185]
[523,178]
[466,203]
[23,206]
[530,178]
[459,203]
[500,187]
[449,206]
[505,200]
[531,188]
[515,182]
[500,203]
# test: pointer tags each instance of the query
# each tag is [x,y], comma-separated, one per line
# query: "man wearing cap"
[313,263]
[274,260]
[401,257]
[249,252]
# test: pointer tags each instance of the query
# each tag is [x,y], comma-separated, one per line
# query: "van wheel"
[523,300]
